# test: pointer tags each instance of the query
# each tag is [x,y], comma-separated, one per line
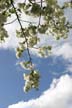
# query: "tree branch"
[30,59]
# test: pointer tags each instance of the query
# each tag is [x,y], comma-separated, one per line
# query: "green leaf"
[19,51]
[36,9]
[33,41]
[3,34]
[12,10]
[32,30]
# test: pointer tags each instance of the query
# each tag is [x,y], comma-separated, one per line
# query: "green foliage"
[43,28]
[32,80]
[36,9]
[45,51]
[11,10]
[20,50]
[33,41]
[4,4]
[67,4]
[3,34]
[32,29]
[51,21]
[51,2]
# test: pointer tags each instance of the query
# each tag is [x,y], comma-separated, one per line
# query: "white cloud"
[59,95]
[65,51]
[69,68]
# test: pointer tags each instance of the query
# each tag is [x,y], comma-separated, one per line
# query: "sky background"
[55,90]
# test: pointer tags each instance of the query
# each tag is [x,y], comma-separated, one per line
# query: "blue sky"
[55,90]
[11,77]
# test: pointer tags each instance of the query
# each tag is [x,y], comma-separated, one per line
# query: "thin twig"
[36,47]
[27,21]
[10,22]
[20,20]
